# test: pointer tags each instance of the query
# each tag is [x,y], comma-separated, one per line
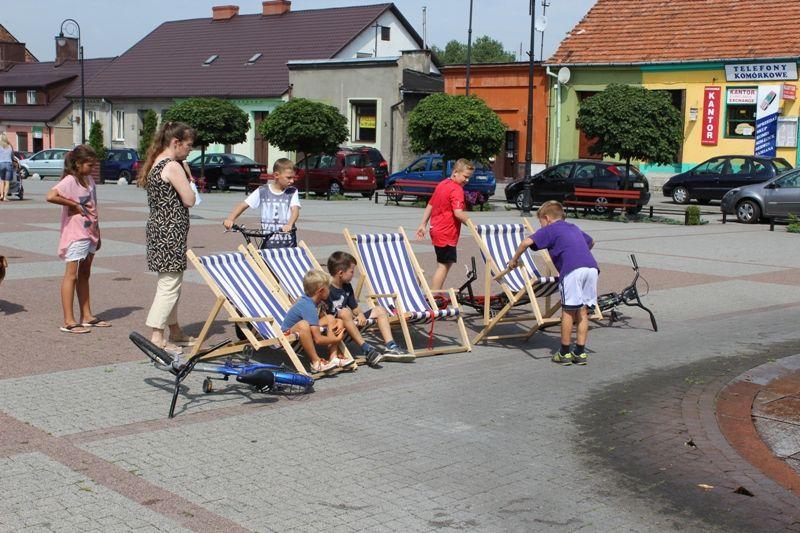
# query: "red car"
[345,171]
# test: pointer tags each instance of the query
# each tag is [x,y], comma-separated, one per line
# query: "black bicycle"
[629,296]
[267,239]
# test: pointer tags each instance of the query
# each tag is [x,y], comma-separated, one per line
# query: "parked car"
[345,171]
[711,179]
[376,161]
[226,170]
[119,163]
[480,187]
[558,182]
[777,198]
[45,163]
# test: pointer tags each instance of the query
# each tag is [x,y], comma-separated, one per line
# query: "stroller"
[15,187]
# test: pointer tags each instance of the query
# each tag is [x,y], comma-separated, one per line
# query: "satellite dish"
[541,24]
[563,75]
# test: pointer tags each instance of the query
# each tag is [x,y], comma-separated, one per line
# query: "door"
[553,184]
[510,155]
[214,164]
[435,171]
[22,142]
[36,162]
[736,173]
[783,197]
[38,144]
[329,169]
[705,178]
[760,171]
[260,145]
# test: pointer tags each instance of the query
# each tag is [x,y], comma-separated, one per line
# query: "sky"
[109,27]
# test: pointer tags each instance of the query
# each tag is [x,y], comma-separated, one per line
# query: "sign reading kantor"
[761,71]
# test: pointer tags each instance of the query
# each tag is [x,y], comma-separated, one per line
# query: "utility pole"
[469,44]
[526,203]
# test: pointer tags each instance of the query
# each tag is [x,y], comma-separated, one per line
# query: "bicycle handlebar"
[635,264]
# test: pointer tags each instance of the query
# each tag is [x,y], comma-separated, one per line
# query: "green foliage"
[632,123]
[216,121]
[96,140]
[306,127]
[484,50]
[692,215]
[149,125]
[794,224]
[455,126]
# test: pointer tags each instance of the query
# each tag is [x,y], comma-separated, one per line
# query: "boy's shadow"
[10,308]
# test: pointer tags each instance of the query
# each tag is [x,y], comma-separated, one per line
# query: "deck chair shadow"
[249,297]
[525,285]
[394,280]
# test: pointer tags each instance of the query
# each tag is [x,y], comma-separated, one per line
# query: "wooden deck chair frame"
[401,316]
[280,339]
[493,272]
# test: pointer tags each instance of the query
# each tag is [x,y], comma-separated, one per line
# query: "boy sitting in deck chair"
[303,318]
[343,305]
[570,249]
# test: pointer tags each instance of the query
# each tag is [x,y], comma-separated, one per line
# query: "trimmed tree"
[455,126]
[96,140]
[215,120]
[149,125]
[632,123]
[484,50]
[305,127]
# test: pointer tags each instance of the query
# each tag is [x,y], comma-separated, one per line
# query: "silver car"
[45,163]
[776,198]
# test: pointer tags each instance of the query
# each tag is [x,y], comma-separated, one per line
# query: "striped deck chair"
[395,281]
[248,296]
[527,283]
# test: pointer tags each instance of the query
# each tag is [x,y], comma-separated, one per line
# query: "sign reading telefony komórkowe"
[761,71]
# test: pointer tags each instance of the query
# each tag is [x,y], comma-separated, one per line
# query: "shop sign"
[761,71]
[767,120]
[742,96]
[711,110]
[36,131]
[789,91]
[366,122]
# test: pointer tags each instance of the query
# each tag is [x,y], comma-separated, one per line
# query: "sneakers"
[580,358]
[398,355]
[561,359]
[324,366]
[373,357]
[346,363]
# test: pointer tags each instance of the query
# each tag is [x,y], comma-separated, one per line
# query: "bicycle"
[261,377]
[251,236]
[629,296]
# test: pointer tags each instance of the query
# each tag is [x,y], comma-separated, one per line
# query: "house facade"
[240,58]
[504,88]
[718,80]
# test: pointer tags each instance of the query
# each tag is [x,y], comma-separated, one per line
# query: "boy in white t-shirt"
[279,203]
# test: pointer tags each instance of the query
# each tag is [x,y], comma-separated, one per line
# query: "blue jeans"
[6,171]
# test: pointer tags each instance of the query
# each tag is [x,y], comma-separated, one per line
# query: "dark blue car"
[479,188]
[119,163]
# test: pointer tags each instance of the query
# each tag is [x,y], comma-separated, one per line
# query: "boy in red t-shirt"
[446,213]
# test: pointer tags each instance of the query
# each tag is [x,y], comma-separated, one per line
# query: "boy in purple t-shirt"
[569,248]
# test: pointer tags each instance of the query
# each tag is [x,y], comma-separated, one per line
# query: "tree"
[215,120]
[96,140]
[149,125]
[305,127]
[484,50]
[455,126]
[632,123]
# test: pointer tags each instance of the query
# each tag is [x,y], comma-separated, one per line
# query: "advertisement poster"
[767,105]
[711,110]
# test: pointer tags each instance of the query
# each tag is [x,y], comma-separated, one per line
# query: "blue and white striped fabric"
[244,289]
[502,241]
[289,265]
[390,270]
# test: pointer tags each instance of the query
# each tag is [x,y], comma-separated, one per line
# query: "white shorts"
[579,288]
[80,250]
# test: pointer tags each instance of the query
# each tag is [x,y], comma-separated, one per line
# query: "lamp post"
[526,202]
[469,45]
[73,29]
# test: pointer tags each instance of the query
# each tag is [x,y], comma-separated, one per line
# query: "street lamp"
[469,45]
[526,201]
[73,30]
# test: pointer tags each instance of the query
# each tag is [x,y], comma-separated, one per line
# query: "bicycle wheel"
[157,355]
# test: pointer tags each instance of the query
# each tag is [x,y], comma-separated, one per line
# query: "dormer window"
[210,60]
[9,97]
[31,96]
[254,58]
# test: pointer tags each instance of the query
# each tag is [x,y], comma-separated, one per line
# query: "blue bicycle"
[261,376]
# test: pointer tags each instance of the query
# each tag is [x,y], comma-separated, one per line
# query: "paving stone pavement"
[498,439]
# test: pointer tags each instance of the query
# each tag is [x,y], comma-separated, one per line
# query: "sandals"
[77,329]
[96,323]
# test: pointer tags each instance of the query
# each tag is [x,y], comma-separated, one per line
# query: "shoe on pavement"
[346,363]
[580,358]
[324,366]
[398,355]
[561,359]
[373,357]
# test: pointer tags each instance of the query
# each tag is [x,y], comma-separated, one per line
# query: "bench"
[603,198]
[397,191]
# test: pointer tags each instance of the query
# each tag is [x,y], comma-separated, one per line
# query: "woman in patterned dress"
[169,196]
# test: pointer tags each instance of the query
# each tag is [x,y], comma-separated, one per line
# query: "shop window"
[740,112]
[32,97]
[787,132]
[9,97]
[364,120]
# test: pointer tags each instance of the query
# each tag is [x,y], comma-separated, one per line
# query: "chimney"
[11,54]
[66,49]
[224,12]
[275,7]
